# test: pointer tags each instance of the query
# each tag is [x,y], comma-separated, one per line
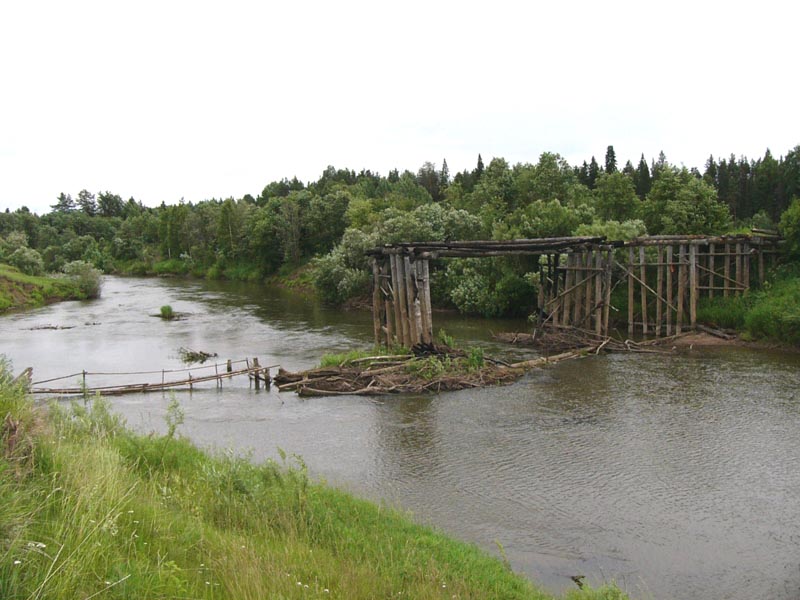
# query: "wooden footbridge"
[665,277]
[170,379]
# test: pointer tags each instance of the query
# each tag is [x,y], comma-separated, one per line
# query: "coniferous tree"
[711,172]
[611,160]
[642,181]
[64,204]
[582,173]
[87,203]
[478,172]
[594,171]
[629,170]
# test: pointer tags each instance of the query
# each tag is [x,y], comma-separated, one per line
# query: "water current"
[677,476]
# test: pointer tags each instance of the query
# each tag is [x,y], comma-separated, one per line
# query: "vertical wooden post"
[427,309]
[413,307]
[681,287]
[670,269]
[401,298]
[761,265]
[598,293]
[256,370]
[390,306]
[746,265]
[739,278]
[607,298]
[630,290]
[388,303]
[693,283]
[190,382]
[643,277]
[588,301]
[712,266]
[540,296]
[376,301]
[659,290]
[727,270]
[556,302]
[566,301]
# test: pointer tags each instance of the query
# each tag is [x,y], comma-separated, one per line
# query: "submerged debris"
[194,356]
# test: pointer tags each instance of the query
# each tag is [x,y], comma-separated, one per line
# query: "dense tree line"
[328,223]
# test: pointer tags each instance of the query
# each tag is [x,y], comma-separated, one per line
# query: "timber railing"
[185,378]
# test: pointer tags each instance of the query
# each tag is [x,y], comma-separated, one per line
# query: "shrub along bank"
[771,313]
[18,290]
[90,509]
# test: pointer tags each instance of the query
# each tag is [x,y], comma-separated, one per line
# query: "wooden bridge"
[170,379]
[665,278]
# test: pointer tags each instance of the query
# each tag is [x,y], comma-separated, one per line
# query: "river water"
[677,476]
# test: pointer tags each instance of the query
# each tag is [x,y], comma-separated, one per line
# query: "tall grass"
[772,313]
[89,509]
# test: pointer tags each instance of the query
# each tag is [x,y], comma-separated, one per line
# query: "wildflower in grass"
[17,562]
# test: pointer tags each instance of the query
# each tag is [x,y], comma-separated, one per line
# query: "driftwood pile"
[430,370]
[549,339]
[434,368]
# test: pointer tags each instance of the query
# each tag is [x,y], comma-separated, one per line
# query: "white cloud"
[163,100]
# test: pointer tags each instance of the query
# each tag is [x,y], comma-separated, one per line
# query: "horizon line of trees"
[332,220]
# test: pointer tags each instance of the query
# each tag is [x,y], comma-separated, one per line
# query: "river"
[677,476]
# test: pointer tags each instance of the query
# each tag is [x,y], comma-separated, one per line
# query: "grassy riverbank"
[769,314]
[18,290]
[90,509]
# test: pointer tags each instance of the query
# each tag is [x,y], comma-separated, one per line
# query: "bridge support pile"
[668,275]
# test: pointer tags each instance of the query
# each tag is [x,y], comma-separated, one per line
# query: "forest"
[315,233]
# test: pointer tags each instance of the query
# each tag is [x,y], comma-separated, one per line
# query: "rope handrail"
[160,371]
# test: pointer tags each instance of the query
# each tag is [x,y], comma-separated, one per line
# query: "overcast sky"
[168,100]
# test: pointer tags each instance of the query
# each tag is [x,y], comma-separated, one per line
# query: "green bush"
[27,260]
[790,229]
[167,312]
[85,276]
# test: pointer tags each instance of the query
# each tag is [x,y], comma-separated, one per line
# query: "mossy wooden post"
[670,266]
[761,264]
[727,270]
[228,368]
[693,284]
[598,293]
[659,289]
[630,290]
[376,301]
[413,306]
[643,283]
[681,288]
